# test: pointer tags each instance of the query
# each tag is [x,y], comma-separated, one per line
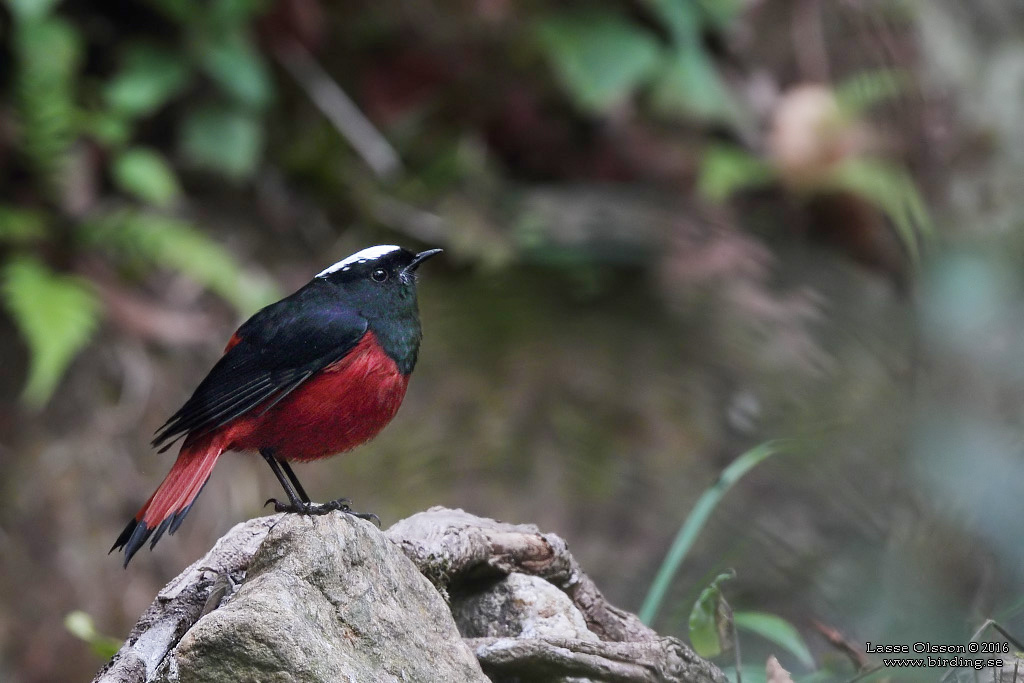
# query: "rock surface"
[332,598]
[519,606]
[326,599]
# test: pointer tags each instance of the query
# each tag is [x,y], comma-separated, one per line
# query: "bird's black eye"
[379,275]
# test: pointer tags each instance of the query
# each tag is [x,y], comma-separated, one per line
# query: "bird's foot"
[306,509]
[339,504]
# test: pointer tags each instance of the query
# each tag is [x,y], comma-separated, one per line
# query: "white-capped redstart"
[317,373]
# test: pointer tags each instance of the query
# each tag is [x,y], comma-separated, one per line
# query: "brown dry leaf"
[775,673]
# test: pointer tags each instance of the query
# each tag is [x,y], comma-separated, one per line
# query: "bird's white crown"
[368,254]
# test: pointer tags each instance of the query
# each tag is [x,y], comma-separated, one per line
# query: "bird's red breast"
[342,406]
[233,342]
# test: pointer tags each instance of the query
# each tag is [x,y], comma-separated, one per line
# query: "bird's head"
[380,280]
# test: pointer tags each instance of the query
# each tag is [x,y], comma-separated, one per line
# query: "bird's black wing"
[278,349]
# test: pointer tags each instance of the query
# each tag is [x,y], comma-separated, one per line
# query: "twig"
[836,639]
[736,649]
[339,108]
[993,624]
[424,226]
[1002,631]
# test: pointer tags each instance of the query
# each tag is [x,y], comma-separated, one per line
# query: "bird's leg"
[297,504]
[295,481]
[299,499]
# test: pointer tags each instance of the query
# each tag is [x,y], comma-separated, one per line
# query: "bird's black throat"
[400,339]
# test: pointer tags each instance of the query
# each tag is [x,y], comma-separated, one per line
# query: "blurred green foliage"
[57,315]
[600,58]
[603,59]
[777,630]
[222,139]
[81,625]
[695,522]
[63,115]
[892,190]
[727,169]
[714,626]
[862,91]
[149,77]
[711,622]
[146,174]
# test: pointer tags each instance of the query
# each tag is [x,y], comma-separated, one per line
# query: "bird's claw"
[342,505]
[306,509]
[278,505]
[368,516]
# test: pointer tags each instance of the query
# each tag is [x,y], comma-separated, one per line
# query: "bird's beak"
[420,258]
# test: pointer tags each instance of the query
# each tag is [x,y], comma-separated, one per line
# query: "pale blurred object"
[811,136]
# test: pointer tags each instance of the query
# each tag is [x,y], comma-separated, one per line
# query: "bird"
[315,374]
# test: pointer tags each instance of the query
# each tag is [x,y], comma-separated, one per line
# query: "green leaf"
[238,68]
[108,127]
[154,239]
[688,85]
[751,673]
[599,57]
[223,140]
[148,79]
[145,173]
[711,619]
[726,169]
[893,191]
[681,18]
[56,315]
[720,14]
[695,522]
[21,226]
[235,12]
[30,10]
[80,625]
[777,630]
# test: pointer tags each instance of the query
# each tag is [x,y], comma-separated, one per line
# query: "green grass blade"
[779,631]
[695,523]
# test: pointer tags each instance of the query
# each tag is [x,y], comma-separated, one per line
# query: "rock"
[519,606]
[332,598]
[542,617]
[326,599]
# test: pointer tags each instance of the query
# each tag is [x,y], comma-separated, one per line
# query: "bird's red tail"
[166,508]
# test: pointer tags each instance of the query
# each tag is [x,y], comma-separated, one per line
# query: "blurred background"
[673,230]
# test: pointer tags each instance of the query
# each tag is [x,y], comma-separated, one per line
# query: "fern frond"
[47,53]
[172,243]
[890,188]
[860,92]
[56,315]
